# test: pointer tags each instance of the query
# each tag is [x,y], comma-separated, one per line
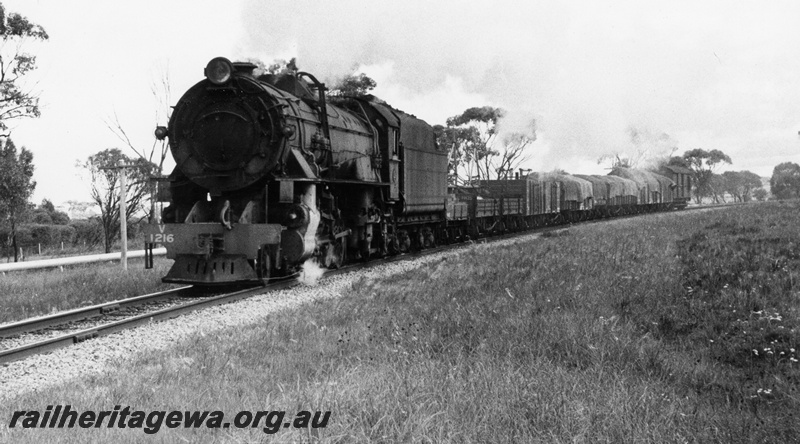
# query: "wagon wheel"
[449,235]
[417,241]
[440,234]
[403,241]
[392,245]
[474,232]
[427,238]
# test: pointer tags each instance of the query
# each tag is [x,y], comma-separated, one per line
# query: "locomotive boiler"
[270,174]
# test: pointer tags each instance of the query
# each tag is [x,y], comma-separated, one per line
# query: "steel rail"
[79,314]
[66,340]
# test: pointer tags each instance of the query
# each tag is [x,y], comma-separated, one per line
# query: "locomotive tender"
[269,174]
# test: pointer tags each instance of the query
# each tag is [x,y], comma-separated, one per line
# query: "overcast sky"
[713,75]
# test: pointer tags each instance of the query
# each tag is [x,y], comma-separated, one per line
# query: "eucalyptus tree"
[17,97]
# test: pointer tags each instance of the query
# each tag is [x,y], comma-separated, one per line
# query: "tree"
[703,164]
[461,143]
[16,186]
[104,177]
[717,184]
[41,216]
[16,99]
[785,181]
[678,161]
[157,153]
[730,184]
[760,194]
[47,214]
[513,152]
[471,138]
[749,183]
[740,184]
[354,85]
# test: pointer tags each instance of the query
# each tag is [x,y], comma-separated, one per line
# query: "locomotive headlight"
[161,132]
[218,71]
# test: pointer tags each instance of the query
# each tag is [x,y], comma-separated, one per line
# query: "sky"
[599,77]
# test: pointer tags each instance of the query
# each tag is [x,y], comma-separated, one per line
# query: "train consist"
[269,174]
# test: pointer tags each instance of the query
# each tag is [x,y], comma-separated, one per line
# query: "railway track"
[111,309]
[55,321]
[83,313]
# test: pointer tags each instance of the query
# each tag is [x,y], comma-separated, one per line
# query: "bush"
[42,218]
[59,218]
[135,228]
[24,236]
[88,231]
[42,235]
[66,234]
[5,236]
[33,235]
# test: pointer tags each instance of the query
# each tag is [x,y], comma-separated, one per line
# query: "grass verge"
[666,328]
[25,294]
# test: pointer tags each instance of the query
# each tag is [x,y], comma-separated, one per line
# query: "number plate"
[162,238]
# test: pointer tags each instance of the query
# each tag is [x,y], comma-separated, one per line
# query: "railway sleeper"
[88,335]
[109,308]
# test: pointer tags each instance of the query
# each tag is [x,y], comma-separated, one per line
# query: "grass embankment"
[24,294]
[666,328]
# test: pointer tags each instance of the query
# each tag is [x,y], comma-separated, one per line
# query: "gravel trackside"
[37,373]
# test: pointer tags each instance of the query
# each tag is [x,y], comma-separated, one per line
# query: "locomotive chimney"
[245,68]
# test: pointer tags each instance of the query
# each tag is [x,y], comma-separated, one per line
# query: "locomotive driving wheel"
[333,254]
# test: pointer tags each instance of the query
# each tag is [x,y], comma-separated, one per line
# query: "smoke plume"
[586,72]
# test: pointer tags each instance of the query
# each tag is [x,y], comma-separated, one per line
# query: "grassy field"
[665,328]
[25,294]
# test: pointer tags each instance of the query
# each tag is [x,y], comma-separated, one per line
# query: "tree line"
[477,151]
[740,186]
[22,223]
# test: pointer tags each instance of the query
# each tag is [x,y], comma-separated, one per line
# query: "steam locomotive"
[269,175]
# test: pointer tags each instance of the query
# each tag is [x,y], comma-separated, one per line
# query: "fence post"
[123,217]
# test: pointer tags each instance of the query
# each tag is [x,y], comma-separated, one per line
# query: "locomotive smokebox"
[227,131]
